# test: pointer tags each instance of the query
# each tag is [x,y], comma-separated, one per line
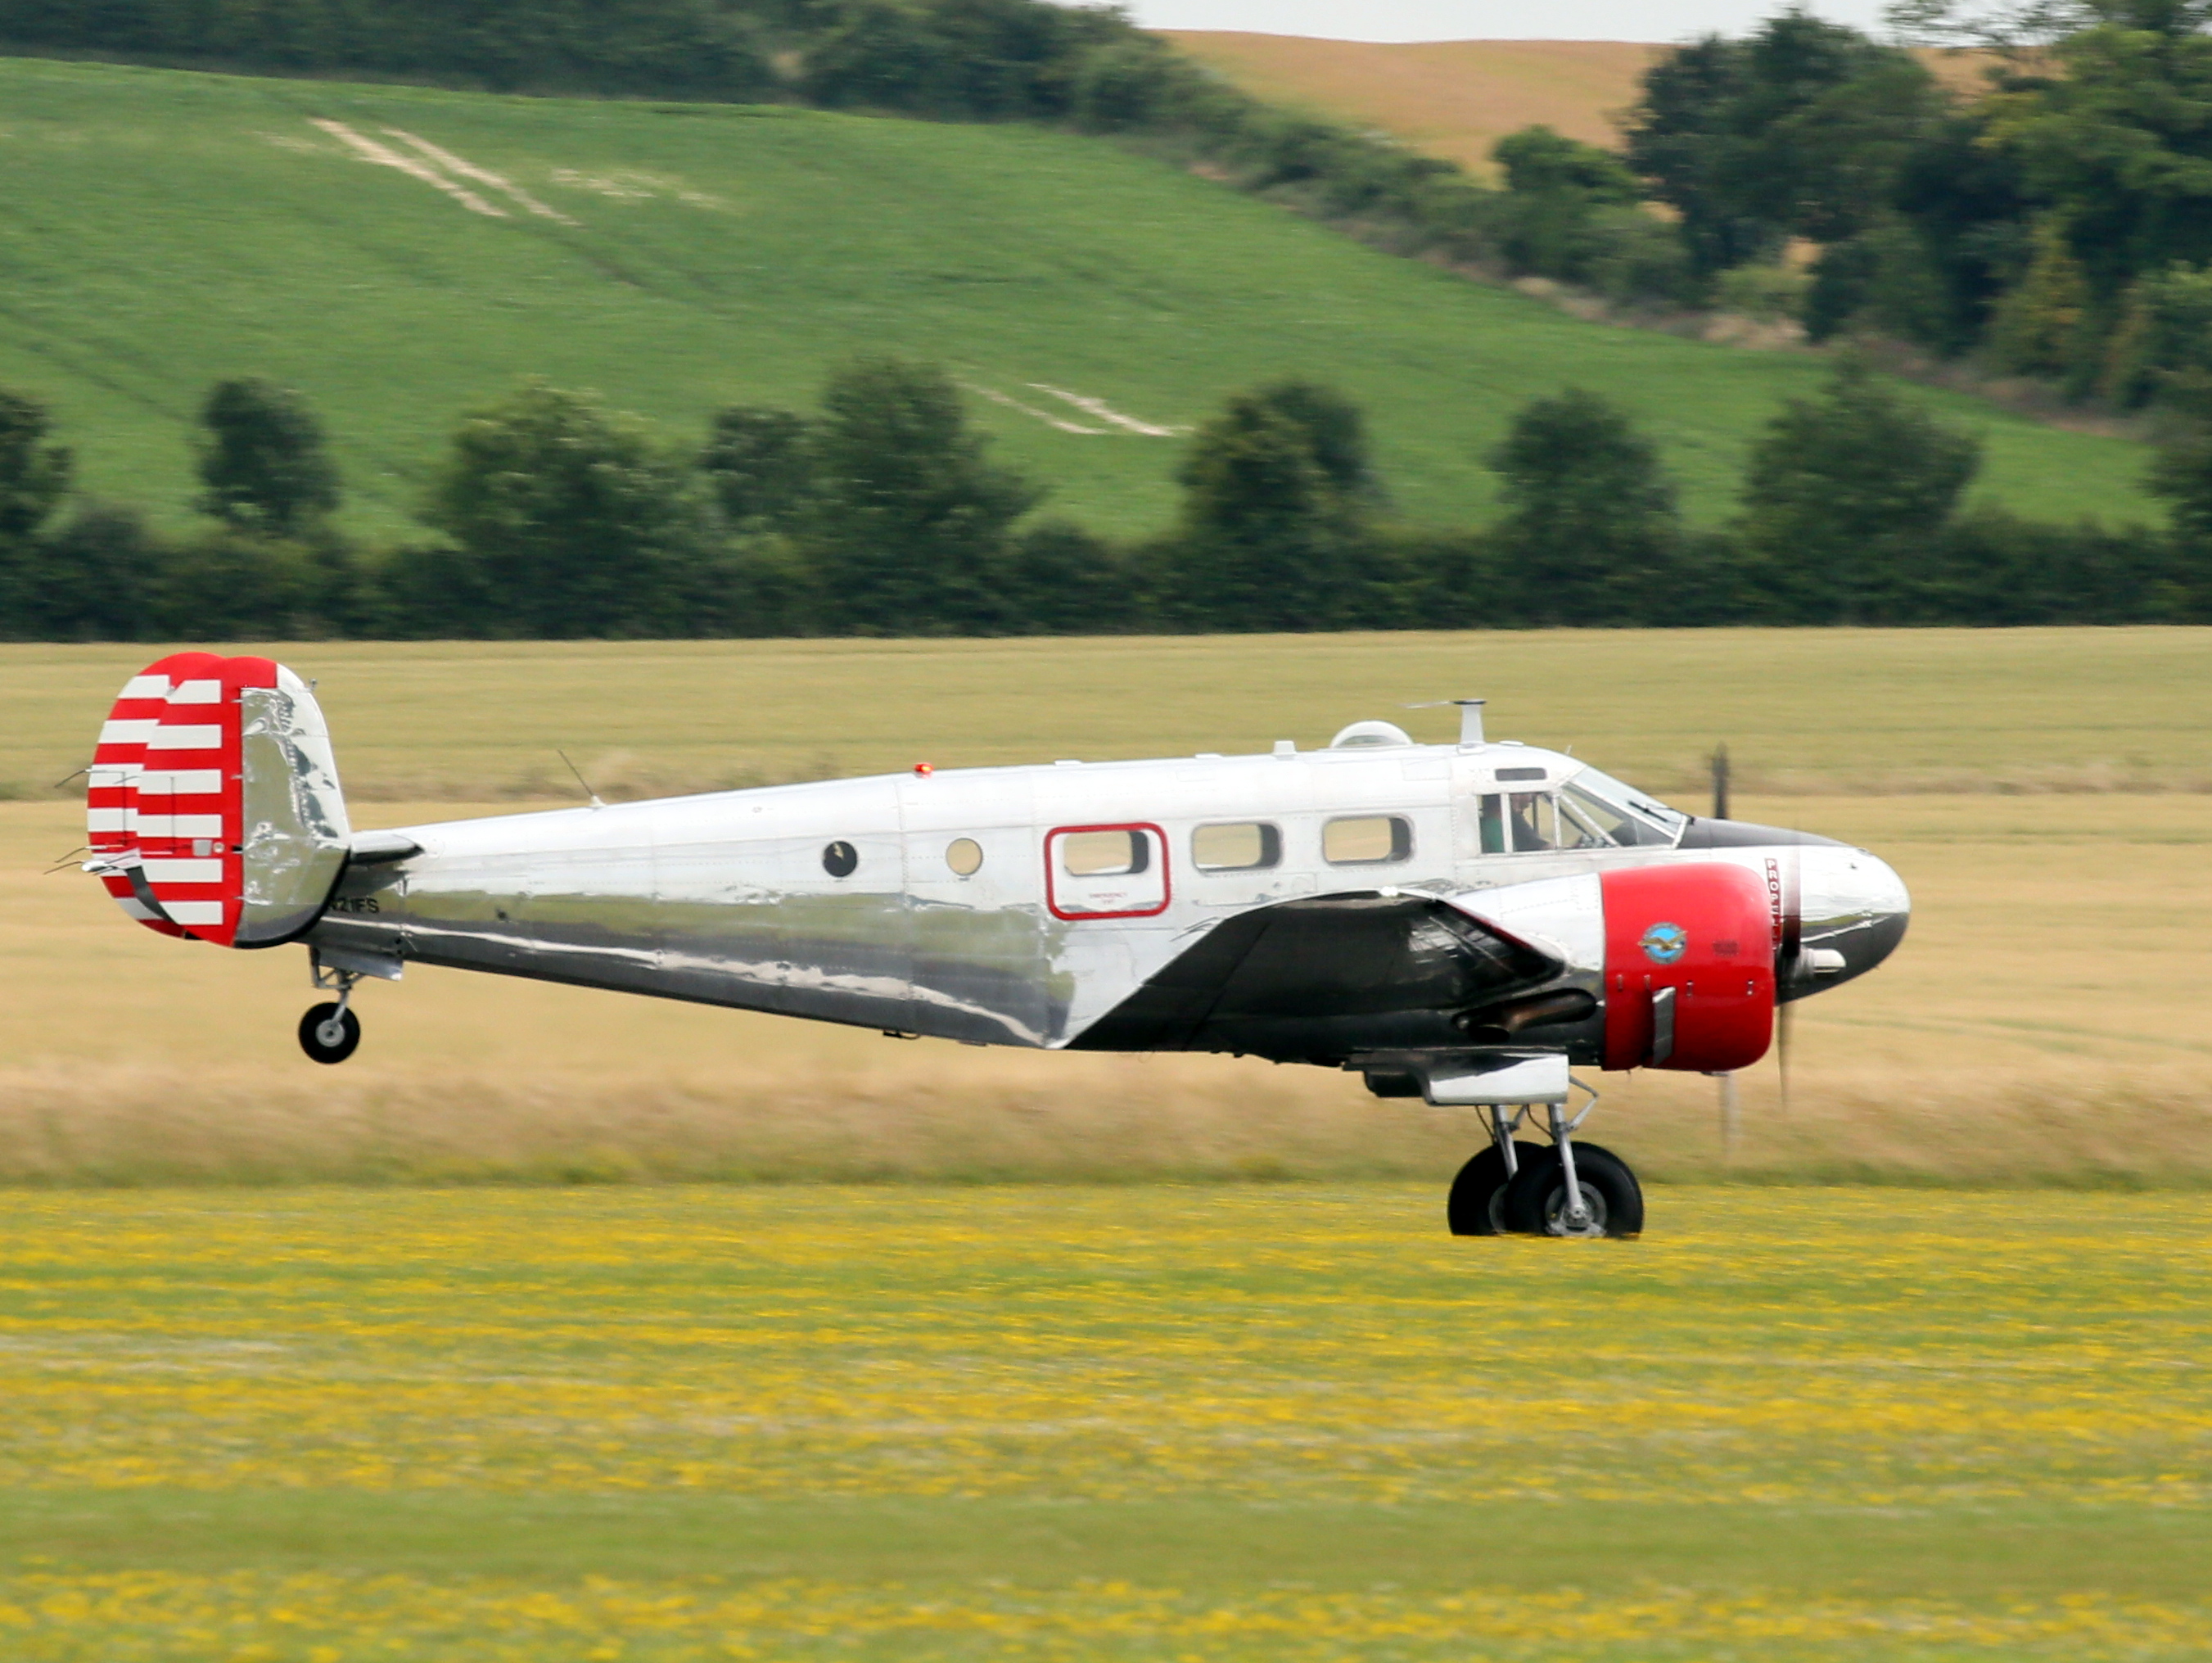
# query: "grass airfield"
[1042,1421]
[1125,1413]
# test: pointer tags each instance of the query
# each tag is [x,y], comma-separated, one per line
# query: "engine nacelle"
[1689,968]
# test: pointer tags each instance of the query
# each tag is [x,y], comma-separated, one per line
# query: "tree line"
[882,513]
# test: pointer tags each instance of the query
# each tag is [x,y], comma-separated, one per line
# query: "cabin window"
[1106,871]
[1244,846]
[1102,854]
[1367,840]
[964,856]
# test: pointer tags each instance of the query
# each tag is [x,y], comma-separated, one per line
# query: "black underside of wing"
[1322,979]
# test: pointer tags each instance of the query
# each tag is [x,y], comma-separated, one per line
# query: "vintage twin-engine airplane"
[1457,923]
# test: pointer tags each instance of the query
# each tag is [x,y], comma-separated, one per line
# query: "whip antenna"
[580,780]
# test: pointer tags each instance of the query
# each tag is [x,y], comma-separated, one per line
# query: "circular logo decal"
[1663,944]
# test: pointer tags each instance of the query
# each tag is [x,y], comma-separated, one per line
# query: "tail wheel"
[329,1033]
[1476,1207]
[1535,1202]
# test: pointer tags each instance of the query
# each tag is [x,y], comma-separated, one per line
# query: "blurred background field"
[1277,1421]
[2042,792]
[163,229]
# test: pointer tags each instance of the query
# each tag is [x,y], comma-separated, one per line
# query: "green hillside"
[158,229]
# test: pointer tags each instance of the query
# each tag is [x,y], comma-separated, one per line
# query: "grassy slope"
[160,228]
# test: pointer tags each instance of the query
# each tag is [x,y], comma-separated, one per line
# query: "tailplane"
[214,811]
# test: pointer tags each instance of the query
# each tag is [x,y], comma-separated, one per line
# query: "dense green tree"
[100,577]
[1270,537]
[1336,433]
[1126,84]
[262,458]
[1591,526]
[2164,332]
[1800,130]
[229,582]
[1846,498]
[34,473]
[1061,580]
[569,519]
[1993,569]
[698,48]
[1555,190]
[977,58]
[34,477]
[2181,475]
[760,463]
[908,526]
[2111,127]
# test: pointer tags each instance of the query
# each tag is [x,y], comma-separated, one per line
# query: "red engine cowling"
[1689,948]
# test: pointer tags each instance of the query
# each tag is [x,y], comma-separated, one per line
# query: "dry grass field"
[1451,98]
[1457,98]
[2042,792]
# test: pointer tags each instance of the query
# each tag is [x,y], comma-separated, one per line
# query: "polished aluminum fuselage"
[726,898]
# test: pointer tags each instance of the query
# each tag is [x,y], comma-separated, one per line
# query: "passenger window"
[1366,840]
[1243,847]
[1519,822]
[1099,854]
[964,856]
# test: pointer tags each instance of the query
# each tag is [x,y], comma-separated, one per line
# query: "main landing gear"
[1563,1188]
[331,1032]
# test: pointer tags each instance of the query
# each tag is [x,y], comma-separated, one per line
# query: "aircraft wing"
[1291,978]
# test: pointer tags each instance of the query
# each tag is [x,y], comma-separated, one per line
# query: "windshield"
[1607,812]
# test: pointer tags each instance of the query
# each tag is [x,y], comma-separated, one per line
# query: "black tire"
[1535,1201]
[1477,1194]
[311,1041]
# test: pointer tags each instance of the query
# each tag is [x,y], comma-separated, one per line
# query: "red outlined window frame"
[1052,866]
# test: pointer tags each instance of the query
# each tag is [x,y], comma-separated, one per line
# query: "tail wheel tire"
[1535,1201]
[328,1035]
[1476,1207]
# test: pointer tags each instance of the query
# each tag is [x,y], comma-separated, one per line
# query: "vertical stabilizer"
[214,809]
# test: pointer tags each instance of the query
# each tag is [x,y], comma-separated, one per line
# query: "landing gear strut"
[1563,1189]
[331,1032]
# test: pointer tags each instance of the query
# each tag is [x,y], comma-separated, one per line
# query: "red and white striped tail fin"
[213,811]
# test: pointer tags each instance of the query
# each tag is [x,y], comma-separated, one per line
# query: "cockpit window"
[1521,823]
[1597,810]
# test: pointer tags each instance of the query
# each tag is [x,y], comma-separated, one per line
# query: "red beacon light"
[925,770]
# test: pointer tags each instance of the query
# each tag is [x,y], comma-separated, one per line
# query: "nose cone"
[1855,909]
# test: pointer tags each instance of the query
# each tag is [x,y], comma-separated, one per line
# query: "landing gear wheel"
[1476,1207]
[1535,1202]
[329,1033]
